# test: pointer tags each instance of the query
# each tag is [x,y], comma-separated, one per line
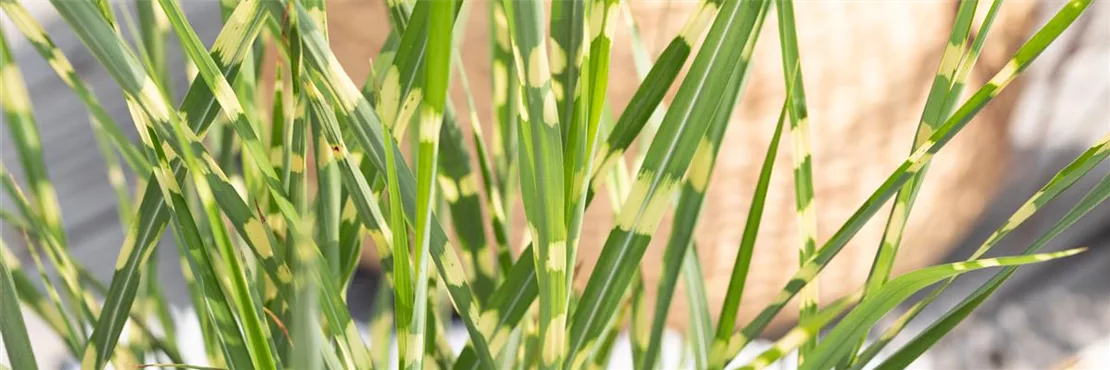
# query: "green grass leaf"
[700,331]
[855,325]
[16,341]
[655,85]
[466,212]
[45,213]
[801,334]
[1024,56]
[437,67]
[804,199]
[340,325]
[740,268]
[506,117]
[353,108]
[692,195]
[904,356]
[30,296]
[509,303]
[687,120]
[25,135]
[944,90]
[263,244]
[45,46]
[541,161]
[1059,183]
[140,88]
[648,96]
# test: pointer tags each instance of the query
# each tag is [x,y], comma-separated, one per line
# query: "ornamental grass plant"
[270,204]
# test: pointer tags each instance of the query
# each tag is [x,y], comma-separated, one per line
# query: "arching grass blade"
[855,325]
[16,341]
[804,199]
[353,108]
[700,331]
[1024,56]
[807,329]
[541,175]
[1062,181]
[693,191]
[686,122]
[943,90]
[45,46]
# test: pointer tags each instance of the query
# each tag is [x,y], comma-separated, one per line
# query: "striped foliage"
[946,89]
[269,204]
[1063,180]
[541,174]
[505,124]
[692,196]
[920,157]
[805,205]
[16,341]
[367,128]
[670,154]
[938,329]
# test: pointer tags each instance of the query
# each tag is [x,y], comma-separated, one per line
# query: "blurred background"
[1054,315]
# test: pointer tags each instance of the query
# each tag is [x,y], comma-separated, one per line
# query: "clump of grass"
[268,258]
